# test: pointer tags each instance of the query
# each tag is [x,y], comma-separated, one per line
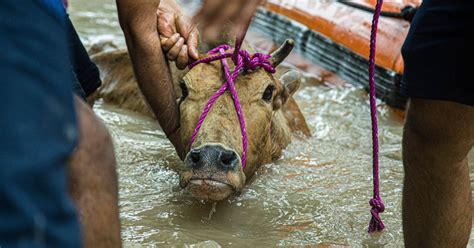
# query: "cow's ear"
[290,81]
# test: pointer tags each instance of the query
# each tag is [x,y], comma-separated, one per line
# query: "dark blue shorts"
[38,129]
[87,77]
[439,52]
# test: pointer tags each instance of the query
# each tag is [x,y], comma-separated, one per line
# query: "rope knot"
[376,223]
[244,61]
[256,60]
[377,204]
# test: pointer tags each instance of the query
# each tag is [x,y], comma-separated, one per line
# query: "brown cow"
[212,168]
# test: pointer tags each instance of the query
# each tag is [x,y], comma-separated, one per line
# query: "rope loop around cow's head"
[250,62]
[243,62]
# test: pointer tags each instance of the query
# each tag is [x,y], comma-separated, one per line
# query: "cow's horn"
[282,52]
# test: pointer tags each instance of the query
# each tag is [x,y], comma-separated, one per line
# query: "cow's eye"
[268,93]
[184,89]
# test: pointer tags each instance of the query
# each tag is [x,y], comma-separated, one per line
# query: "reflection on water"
[316,194]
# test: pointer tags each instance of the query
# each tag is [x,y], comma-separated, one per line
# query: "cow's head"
[212,167]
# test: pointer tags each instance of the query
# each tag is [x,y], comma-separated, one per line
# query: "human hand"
[216,12]
[179,38]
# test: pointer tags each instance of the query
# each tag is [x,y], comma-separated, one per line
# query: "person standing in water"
[439,128]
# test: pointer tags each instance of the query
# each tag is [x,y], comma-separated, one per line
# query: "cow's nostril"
[228,157]
[212,158]
[195,155]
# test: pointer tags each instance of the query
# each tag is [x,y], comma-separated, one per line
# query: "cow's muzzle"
[213,172]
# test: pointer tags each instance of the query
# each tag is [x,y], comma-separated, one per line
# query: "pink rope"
[378,207]
[243,62]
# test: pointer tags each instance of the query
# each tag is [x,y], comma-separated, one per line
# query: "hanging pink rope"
[378,207]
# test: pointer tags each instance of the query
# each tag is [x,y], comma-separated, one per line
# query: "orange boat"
[336,35]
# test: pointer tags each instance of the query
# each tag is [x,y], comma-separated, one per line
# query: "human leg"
[93,181]
[437,137]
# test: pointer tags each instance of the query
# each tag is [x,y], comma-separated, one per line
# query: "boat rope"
[406,13]
[378,207]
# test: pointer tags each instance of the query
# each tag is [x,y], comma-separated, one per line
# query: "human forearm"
[154,79]
[215,12]
[138,22]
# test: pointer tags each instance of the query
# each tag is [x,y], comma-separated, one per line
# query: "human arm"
[139,24]
[215,12]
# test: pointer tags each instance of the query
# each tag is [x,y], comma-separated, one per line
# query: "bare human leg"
[437,138]
[93,181]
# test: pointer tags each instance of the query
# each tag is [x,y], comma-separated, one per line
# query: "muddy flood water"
[317,194]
